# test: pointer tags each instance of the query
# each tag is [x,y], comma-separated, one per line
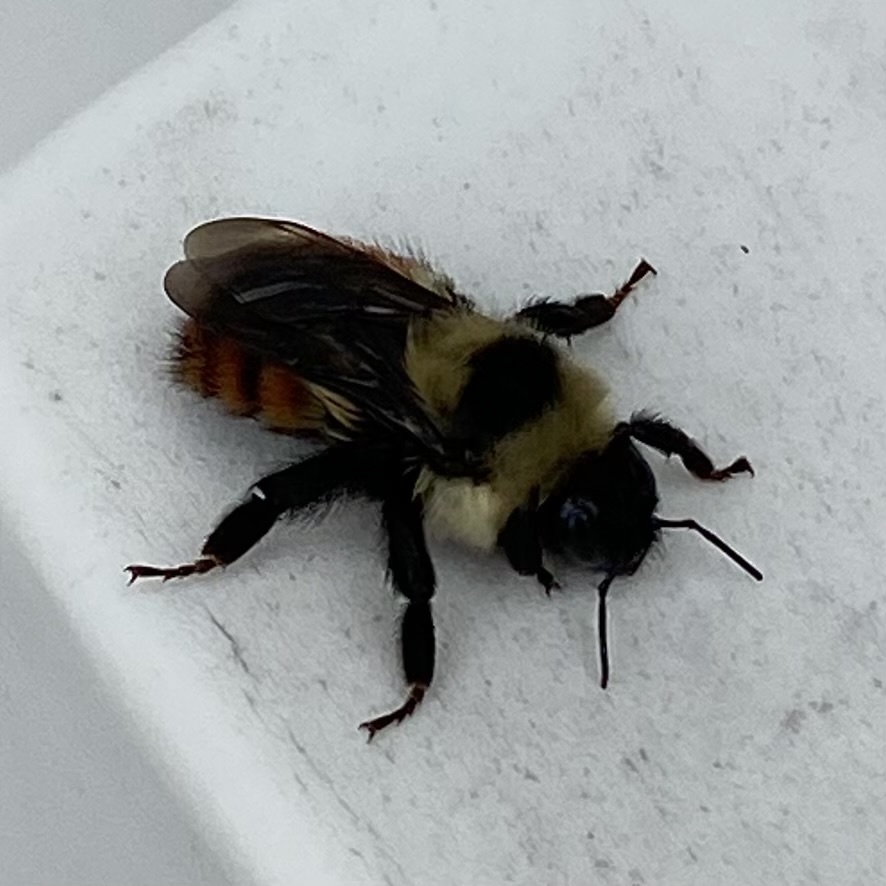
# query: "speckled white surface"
[740,741]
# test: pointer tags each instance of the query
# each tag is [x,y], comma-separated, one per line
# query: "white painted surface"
[529,151]
[56,56]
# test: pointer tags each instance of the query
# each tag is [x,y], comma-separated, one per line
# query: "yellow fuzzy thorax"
[536,456]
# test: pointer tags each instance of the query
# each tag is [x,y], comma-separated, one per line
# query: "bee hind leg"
[317,478]
[198,567]
[584,313]
[242,528]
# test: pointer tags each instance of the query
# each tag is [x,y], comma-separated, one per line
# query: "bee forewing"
[226,235]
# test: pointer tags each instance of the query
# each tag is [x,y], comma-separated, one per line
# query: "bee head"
[603,511]
[603,514]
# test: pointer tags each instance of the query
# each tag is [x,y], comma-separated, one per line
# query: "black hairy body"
[474,427]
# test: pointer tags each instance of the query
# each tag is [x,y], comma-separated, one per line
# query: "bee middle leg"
[412,575]
[584,313]
[317,478]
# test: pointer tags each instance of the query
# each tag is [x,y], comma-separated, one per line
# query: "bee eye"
[576,513]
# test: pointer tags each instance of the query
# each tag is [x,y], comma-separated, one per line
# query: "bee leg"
[666,438]
[198,567]
[317,478]
[412,574]
[520,541]
[584,313]
[242,528]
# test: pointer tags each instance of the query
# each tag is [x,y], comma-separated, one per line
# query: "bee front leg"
[522,546]
[318,478]
[584,313]
[412,575]
[666,438]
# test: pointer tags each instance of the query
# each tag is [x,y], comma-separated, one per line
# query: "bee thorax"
[462,510]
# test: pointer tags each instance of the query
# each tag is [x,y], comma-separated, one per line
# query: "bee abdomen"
[246,383]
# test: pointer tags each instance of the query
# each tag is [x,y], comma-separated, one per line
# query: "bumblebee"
[481,429]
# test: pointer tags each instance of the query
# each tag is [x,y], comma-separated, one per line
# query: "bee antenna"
[602,588]
[715,540]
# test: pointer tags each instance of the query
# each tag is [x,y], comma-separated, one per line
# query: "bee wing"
[333,312]
[253,258]
[223,235]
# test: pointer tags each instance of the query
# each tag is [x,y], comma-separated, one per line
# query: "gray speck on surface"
[236,648]
[821,707]
[793,720]
[295,742]
[631,765]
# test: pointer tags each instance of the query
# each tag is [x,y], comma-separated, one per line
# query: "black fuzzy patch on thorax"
[512,381]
